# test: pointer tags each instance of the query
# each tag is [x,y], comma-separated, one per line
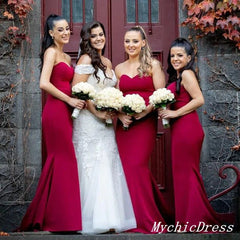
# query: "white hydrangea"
[161,97]
[109,97]
[134,102]
[84,88]
[83,91]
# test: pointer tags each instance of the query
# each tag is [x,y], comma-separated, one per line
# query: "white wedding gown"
[105,199]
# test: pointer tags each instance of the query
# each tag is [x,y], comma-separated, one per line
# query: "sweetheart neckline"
[64,63]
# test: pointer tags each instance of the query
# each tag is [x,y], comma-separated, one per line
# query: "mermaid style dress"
[191,202]
[56,205]
[135,147]
[105,198]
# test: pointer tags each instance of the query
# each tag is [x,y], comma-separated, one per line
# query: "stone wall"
[218,63]
[20,122]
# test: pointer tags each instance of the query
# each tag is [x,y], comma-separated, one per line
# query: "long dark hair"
[183,43]
[47,40]
[86,47]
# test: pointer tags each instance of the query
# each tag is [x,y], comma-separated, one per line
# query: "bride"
[105,198]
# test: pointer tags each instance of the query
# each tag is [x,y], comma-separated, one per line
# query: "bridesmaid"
[56,205]
[193,210]
[140,74]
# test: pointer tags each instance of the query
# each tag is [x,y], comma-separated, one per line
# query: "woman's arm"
[46,85]
[158,77]
[99,114]
[86,60]
[190,83]
[118,74]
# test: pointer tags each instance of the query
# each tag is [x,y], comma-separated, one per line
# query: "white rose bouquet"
[109,99]
[160,99]
[83,91]
[132,104]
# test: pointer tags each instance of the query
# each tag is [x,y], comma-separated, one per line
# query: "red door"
[159,19]
[78,12]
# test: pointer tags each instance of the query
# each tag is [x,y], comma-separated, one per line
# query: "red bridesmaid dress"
[56,205]
[135,147]
[192,207]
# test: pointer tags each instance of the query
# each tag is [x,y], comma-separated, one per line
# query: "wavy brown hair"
[86,47]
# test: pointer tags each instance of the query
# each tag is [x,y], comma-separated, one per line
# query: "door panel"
[159,20]
[78,12]
[159,23]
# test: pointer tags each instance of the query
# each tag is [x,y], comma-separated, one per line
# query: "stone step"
[121,236]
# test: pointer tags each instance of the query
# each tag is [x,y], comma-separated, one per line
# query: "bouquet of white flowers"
[160,99]
[131,104]
[109,99]
[83,91]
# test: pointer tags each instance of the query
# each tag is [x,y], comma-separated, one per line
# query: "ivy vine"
[214,17]
[16,11]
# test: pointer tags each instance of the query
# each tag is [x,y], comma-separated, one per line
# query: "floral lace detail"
[89,131]
[94,144]
[103,187]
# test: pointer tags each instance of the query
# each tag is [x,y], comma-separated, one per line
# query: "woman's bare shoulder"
[84,59]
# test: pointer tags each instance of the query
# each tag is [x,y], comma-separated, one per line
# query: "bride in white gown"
[105,199]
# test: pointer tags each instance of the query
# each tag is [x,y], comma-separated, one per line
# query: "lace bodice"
[103,82]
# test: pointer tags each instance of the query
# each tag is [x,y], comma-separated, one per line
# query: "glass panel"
[66,9]
[143,11]
[131,8]
[77,11]
[89,10]
[155,10]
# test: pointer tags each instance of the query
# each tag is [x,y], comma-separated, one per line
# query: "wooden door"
[78,12]
[158,18]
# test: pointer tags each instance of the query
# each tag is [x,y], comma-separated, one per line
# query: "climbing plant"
[17,72]
[16,11]
[218,19]
[214,17]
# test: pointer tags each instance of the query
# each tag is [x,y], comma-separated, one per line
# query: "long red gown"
[135,147]
[56,205]
[191,202]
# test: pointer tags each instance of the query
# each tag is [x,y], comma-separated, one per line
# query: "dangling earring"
[52,37]
[142,48]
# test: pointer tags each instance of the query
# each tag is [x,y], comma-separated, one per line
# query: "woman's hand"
[167,113]
[140,115]
[104,115]
[144,113]
[76,103]
[125,119]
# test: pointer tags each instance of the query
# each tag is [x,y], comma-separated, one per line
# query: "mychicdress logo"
[202,227]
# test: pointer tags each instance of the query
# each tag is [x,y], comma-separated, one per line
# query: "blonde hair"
[145,55]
